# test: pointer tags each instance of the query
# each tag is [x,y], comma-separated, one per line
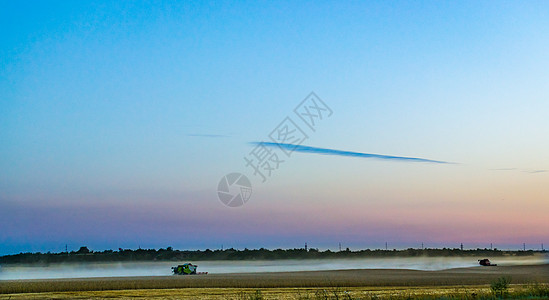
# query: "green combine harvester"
[187,269]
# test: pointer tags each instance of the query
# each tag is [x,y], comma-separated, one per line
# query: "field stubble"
[463,283]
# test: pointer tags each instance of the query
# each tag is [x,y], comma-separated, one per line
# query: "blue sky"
[110,111]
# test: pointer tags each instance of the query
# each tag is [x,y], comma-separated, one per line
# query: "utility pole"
[66,248]
[524,246]
[305,246]
[339,247]
[421,246]
[491,248]
[461,246]
[385,246]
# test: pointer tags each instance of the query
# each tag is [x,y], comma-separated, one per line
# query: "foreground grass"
[532,291]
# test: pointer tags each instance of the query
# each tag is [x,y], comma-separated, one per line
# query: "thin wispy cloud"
[208,135]
[521,170]
[327,151]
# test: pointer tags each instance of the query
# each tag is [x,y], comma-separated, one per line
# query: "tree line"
[169,254]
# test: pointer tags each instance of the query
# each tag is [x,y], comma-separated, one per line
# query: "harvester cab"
[185,269]
[486,263]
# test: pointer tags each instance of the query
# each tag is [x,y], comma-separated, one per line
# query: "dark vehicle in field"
[486,263]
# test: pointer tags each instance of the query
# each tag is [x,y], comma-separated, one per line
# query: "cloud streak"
[326,151]
[521,170]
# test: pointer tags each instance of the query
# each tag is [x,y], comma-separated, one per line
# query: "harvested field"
[313,279]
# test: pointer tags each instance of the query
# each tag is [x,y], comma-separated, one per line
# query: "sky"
[118,121]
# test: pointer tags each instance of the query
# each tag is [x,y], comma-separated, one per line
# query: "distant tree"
[83,250]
